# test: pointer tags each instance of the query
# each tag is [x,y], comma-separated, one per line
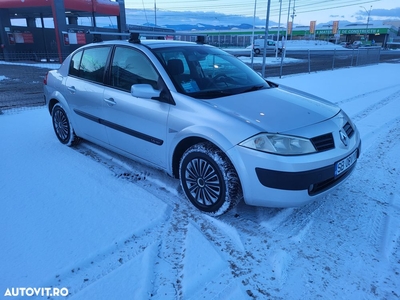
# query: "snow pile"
[311,44]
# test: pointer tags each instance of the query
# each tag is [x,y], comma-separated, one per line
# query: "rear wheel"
[209,179]
[257,51]
[62,126]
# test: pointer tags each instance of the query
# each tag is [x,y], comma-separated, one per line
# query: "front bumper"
[315,181]
[278,181]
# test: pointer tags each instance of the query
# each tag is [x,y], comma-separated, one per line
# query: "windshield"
[206,72]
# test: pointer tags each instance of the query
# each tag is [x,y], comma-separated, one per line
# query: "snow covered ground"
[104,227]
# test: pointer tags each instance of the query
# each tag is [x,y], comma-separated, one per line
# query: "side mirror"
[144,91]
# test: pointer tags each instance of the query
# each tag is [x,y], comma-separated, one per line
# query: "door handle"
[71,89]
[110,101]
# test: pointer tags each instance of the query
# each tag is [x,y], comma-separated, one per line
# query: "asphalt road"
[23,86]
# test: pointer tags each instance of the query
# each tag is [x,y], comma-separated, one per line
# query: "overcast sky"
[305,10]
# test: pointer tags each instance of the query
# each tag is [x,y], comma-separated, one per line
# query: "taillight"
[45,78]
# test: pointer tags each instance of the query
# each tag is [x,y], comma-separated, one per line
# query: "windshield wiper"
[254,88]
[211,94]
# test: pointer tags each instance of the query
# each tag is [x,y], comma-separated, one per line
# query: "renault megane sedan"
[205,117]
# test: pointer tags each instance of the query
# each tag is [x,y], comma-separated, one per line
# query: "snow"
[105,227]
[312,45]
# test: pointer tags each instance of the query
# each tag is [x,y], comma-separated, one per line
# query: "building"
[378,33]
[51,29]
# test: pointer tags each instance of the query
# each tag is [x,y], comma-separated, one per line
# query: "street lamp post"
[368,14]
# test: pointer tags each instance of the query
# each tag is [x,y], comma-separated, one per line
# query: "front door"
[135,125]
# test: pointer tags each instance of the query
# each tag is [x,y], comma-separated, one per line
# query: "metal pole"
[287,23]
[293,15]
[280,69]
[279,28]
[266,37]
[358,54]
[93,16]
[155,13]
[252,36]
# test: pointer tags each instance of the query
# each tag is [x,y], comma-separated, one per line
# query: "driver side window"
[129,66]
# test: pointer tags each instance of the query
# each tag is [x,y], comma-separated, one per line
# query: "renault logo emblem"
[343,137]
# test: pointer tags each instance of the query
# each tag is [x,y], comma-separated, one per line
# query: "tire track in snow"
[240,260]
[103,263]
[363,95]
[243,254]
[172,233]
[266,244]
[386,193]
[374,223]
[376,106]
[168,235]
[375,116]
[169,268]
[284,231]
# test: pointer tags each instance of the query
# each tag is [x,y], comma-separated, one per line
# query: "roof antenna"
[134,38]
[97,38]
[201,39]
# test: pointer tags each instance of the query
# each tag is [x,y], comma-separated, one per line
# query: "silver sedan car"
[205,117]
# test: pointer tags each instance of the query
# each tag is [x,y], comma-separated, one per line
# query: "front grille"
[348,129]
[323,142]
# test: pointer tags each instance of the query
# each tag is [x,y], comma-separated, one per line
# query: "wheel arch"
[189,137]
[51,104]
[180,148]
[56,97]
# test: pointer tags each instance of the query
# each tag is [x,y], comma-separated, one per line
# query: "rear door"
[85,91]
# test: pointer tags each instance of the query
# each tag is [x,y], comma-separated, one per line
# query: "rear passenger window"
[74,65]
[90,63]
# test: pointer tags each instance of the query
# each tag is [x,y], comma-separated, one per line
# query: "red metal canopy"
[105,7]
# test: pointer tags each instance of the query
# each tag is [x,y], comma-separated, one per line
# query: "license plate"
[345,163]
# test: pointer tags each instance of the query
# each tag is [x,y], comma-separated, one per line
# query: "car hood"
[277,109]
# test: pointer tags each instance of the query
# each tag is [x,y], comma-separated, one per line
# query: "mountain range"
[188,21]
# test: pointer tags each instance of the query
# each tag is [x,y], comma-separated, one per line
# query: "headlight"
[279,144]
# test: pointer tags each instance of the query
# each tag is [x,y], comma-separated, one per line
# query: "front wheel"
[209,179]
[62,126]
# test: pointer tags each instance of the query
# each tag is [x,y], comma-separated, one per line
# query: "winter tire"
[209,179]
[62,126]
